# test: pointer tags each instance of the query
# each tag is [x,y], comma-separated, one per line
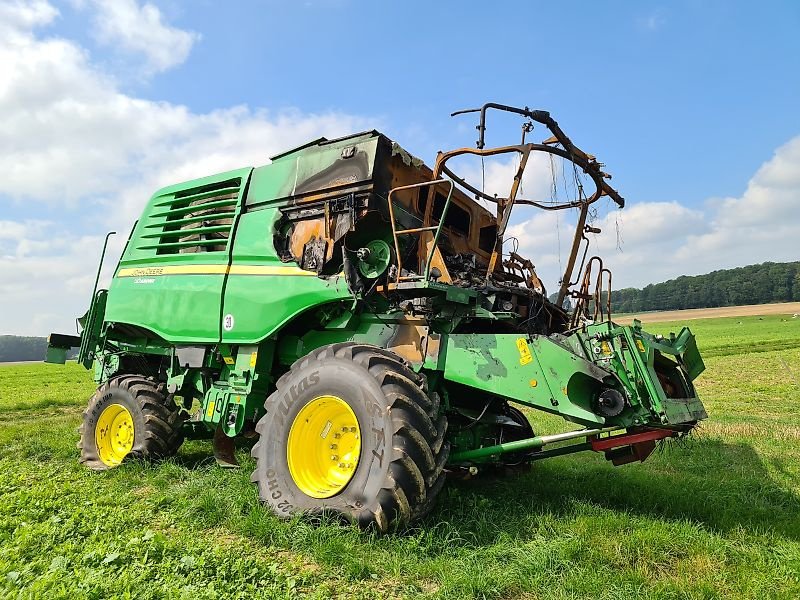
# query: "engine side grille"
[194,220]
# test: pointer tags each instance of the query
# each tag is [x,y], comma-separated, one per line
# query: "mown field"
[716,517]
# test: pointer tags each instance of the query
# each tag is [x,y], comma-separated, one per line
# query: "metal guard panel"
[536,373]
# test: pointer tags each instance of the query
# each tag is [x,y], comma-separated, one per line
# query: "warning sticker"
[525,355]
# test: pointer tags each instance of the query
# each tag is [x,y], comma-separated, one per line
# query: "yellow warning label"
[640,346]
[525,355]
[210,411]
[253,358]
[605,347]
[228,360]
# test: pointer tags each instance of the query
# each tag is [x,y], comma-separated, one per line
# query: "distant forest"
[14,348]
[755,284]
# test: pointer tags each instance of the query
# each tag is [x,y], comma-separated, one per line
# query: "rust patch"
[305,232]
[412,340]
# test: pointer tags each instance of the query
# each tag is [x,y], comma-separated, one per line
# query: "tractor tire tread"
[415,474]
[161,436]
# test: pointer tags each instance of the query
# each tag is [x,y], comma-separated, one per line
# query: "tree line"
[18,348]
[755,284]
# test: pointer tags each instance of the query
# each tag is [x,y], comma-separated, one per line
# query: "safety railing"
[427,217]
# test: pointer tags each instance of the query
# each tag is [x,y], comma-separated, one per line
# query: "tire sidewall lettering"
[354,384]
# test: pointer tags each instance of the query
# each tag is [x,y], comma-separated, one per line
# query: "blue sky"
[692,106]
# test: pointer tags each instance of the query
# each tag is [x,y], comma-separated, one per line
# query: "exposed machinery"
[360,314]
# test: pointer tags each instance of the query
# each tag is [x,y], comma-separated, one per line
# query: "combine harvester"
[354,309]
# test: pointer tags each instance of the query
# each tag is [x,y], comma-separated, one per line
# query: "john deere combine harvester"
[358,312]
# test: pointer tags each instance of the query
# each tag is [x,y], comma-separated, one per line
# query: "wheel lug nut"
[334,458]
[333,446]
[341,465]
[337,435]
[352,429]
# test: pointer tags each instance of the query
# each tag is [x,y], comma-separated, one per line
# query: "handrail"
[425,226]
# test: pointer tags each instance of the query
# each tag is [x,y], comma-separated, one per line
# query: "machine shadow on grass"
[716,485]
[198,454]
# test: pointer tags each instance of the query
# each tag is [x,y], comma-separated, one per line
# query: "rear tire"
[393,439]
[129,417]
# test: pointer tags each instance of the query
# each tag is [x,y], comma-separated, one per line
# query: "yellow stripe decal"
[214,270]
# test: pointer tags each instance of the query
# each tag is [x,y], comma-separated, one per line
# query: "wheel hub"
[323,447]
[114,434]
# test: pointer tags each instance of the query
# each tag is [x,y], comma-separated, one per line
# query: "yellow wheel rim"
[114,434]
[323,447]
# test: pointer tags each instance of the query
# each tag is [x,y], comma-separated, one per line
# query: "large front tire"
[129,417]
[351,430]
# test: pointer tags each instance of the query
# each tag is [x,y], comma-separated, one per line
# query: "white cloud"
[140,30]
[72,145]
[662,240]
[21,14]
[762,224]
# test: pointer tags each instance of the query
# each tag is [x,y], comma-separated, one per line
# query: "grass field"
[717,517]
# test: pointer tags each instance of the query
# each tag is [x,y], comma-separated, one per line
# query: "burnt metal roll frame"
[567,151]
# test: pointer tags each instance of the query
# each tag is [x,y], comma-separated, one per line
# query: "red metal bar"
[616,441]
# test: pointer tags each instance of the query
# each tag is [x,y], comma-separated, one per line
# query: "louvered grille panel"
[193,220]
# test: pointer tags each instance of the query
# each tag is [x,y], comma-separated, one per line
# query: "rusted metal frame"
[598,287]
[442,218]
[598,294]
[582,295]
[566,279]
[540,116]
[571,151]
[504,213]
[426,227]
[601,187]
[418,229]
[504,205]
[441,167]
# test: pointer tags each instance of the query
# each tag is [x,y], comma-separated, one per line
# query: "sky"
[692,106]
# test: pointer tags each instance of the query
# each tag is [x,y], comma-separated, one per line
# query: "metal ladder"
[416,230]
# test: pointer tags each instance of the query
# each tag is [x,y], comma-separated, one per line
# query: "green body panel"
[183,308]
[178,307]
[280,178]
[262,303]
[538,375]
[564,375]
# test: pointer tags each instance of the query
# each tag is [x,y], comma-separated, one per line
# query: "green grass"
[716,517]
